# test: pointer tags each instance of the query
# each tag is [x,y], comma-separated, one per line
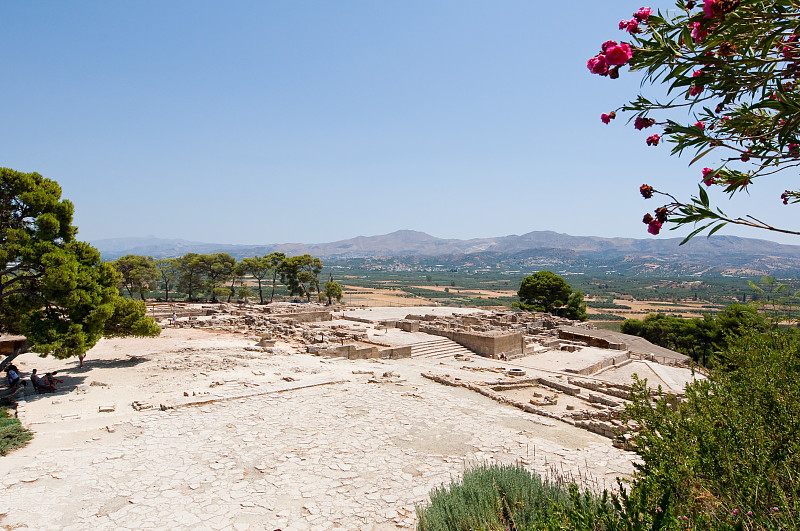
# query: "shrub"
[12,434]
[509,497]
[729,454]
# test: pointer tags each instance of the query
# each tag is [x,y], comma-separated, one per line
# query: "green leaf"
[703,197]
[695,232]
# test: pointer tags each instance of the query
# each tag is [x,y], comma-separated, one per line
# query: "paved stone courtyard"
[263,441]
[338,456]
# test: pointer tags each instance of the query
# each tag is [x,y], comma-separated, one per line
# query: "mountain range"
[721,253]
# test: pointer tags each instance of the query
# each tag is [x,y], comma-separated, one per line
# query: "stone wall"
[306,317]
[489,344]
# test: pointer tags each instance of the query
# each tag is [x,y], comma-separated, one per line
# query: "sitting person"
[50,382]
[38,384]
[12,376]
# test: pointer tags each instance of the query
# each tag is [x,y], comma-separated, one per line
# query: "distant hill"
[718,252]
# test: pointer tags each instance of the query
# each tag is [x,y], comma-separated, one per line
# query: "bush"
[509,497]
[729,455]
[12,434]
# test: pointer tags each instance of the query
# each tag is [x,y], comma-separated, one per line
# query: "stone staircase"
[438,348]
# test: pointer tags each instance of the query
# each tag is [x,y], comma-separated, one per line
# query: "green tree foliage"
[237,277]
[544,291]
[130,318]
[261,268]
[169,273]
[191,278]
[54,290]
[244,293]
[274,260]
[774,298]
[139,273]
[547,292]
[576,308]
[731,66]
[300,274]
[333,290]
[701,337]
[728,454]
[216,269]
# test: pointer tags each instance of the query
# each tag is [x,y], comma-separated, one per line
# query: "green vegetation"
[729,453]
[301,274]
[547,292]
[261,268]
[12,434]
[139,273]
[54,290]
[606,305]
[700,337]
[333,290]
[502,497]
[169,272]
[605,317]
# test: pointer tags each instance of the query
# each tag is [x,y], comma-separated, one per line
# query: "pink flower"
[794,150]
[606,119]
[608,44]
[597,64]
[697,73]
[746,156]
[643,123]
[694,91]
[653,140]
[619,54]
[698,34]
[708,176]
[654,227]
[708,8]
[643,14]
[632,25]
[701,125]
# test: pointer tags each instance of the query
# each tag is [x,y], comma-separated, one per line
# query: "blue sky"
[270,122]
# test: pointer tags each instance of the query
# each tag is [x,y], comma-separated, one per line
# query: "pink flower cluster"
[789,48]
[708,176]
[653,140]
[697,89]
[640,17]
[701,124]
[698,33]
[615,54]
[654,224]
[607,117]
[643,123]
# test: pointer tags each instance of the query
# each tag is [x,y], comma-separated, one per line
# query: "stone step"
[438,348]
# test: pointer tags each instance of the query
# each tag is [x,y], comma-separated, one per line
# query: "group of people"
[46,384]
